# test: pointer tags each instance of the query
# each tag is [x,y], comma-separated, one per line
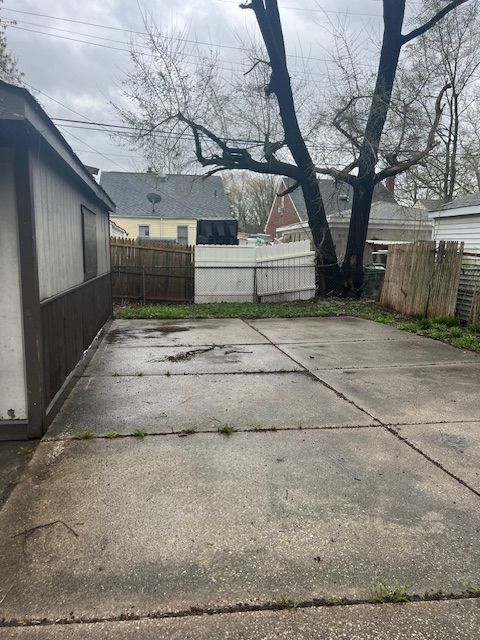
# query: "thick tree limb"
[338,174]
[415,159]
[290,189]
[234,157]
[433,21]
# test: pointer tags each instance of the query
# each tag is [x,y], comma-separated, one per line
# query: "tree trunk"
[268,19]
[328,270]
[352,268]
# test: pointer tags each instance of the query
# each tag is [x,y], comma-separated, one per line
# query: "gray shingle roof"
[382,210]
[465,201]
[183,196]
[336,197]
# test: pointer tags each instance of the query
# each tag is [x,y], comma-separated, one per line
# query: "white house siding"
[58,229]
[13,403]
[464,229]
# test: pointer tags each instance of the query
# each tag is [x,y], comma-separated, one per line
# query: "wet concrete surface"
[166,523]
[118,361]
[384,353]
[457,619]
[177,333]
[438,393]
[165,404]
[344,329]
[327,504]
[456,446]
[14,458]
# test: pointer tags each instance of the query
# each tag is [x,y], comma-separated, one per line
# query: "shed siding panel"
[160,228]
[13,403]
[461,228]
[58,228]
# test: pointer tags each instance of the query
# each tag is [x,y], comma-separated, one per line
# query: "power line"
[96,150]
[144,33]
[318,10]
[142,46]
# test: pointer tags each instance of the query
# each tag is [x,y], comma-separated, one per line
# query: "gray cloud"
[86,78]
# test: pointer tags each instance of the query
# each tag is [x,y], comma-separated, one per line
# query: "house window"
[182,234]
[89,243]
[143,230]
[281,206]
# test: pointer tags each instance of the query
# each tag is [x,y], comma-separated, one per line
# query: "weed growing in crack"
[472,588]
[139,433]
[287,603]
[85,435]
[390,593]
[226,429]
[111,435]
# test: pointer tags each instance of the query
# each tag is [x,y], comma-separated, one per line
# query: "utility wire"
[144,33]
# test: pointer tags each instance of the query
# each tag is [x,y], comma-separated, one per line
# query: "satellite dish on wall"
[154,198]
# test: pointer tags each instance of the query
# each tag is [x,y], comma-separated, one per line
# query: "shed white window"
[182,234]
[143,230]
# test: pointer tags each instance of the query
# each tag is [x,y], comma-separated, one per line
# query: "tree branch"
[432,22]
[338,174]
[290,189]
[235,157]
[415,159]
[336,121]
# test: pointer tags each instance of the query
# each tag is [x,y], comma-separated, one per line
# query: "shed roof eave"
[455,212]
[18,105]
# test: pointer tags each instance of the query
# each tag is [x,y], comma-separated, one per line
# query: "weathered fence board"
[422,279]
[151,271]
[468,298]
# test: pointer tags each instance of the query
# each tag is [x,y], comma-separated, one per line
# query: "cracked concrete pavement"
[353,462]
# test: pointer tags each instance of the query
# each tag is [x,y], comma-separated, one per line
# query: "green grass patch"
[445,329]
[111,435]
[226,429]
[390,593]
[139,433]
[85,435]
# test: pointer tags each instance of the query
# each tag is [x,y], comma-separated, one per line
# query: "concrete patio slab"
[176,333]
[104,528]
[440,393]
[145,361]
[344,329]
[14,457]
[385,353]
[451,620]
[162,404]
[456,446]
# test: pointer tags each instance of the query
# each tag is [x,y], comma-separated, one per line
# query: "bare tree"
[9,71]
[216,109]
[250,199]
[178,102]
[367,145]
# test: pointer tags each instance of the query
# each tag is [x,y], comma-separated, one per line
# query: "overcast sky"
[84,77]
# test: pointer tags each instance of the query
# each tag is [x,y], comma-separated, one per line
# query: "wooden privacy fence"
[422,279]
[151,271]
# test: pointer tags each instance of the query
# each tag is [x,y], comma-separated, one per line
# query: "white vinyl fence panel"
[247,274]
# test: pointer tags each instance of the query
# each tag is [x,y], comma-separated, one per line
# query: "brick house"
[389,221]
